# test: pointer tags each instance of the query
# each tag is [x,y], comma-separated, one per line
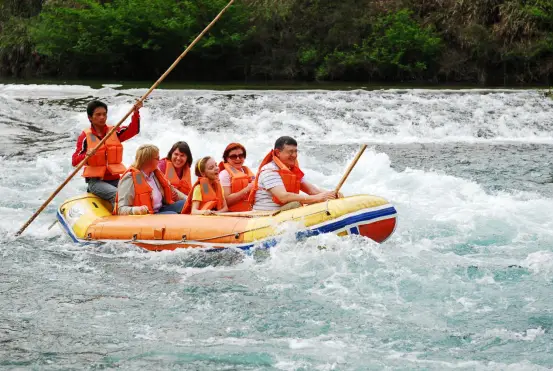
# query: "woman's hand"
[142,210]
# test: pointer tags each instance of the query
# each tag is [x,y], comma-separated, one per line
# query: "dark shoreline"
[260,85]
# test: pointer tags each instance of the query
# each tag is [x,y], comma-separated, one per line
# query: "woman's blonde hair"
[200,167]
[144,154]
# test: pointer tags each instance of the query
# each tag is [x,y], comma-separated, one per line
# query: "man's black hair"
[282,141]
[93,105]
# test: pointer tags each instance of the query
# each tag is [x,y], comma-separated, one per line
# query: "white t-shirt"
[269,178]
[225,178]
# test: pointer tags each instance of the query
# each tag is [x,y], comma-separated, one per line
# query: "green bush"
[397,47]
[123,36]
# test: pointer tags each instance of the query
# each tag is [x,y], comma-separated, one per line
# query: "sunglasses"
[235,156]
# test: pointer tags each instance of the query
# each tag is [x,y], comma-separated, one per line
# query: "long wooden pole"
[347,173]
[90,153]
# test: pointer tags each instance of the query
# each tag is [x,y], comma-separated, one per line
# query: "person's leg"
[174,208]
[103,189]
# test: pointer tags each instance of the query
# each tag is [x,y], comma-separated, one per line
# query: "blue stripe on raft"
[333,226]
[341,224]
[66,228]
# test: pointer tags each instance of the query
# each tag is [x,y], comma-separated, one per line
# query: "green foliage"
[123,34]
[485,41]
[400,44]
[397,46]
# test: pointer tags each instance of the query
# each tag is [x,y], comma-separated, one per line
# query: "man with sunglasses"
[279,181]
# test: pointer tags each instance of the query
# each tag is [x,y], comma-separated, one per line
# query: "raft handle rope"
[52,225]
[258,228]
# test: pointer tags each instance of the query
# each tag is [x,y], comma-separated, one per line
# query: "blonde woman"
[144,189]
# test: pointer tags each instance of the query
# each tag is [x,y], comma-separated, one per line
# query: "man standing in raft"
[279,181]
[103,169]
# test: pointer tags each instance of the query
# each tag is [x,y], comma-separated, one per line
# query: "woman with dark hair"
[236,178]
[176,167]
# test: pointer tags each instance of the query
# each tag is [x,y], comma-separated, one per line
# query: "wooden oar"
[358,155]
[81,164]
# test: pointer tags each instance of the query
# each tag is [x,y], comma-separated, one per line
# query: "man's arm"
[131,130]
[286,197]
[80,151]
[310,189]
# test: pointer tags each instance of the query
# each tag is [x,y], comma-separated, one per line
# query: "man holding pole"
[82,156]
[104,167]
[279,181]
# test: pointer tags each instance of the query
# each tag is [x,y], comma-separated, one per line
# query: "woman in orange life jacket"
[207,193]
[236,178]
[144,189]
[176,168]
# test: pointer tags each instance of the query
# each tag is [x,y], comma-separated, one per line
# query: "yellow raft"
[88,219]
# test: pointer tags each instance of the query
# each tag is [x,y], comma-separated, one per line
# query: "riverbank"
[260,85]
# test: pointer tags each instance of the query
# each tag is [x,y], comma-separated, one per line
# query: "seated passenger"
[279,181]
[236,179]
[207,193]
[176,168]
[144,189]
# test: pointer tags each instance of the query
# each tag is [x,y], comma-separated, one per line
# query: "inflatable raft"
[88,219]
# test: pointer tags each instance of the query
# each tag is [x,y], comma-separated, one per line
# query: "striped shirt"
[269,178]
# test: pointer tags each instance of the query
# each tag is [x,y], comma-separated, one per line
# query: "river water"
[465,283]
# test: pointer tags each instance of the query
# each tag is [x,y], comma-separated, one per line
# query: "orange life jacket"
[143,191]
[212,196]
[182,184]
[291,177]
[239,180]
[108,157]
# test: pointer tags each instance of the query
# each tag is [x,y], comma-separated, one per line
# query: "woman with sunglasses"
[236,178]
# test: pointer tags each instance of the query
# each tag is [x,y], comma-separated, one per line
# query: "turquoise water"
[465,283]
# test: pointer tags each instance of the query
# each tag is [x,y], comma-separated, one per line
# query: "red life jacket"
[143,191]
[108,157]
[212,196]
[239,180]
[182,184]
[291,177]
